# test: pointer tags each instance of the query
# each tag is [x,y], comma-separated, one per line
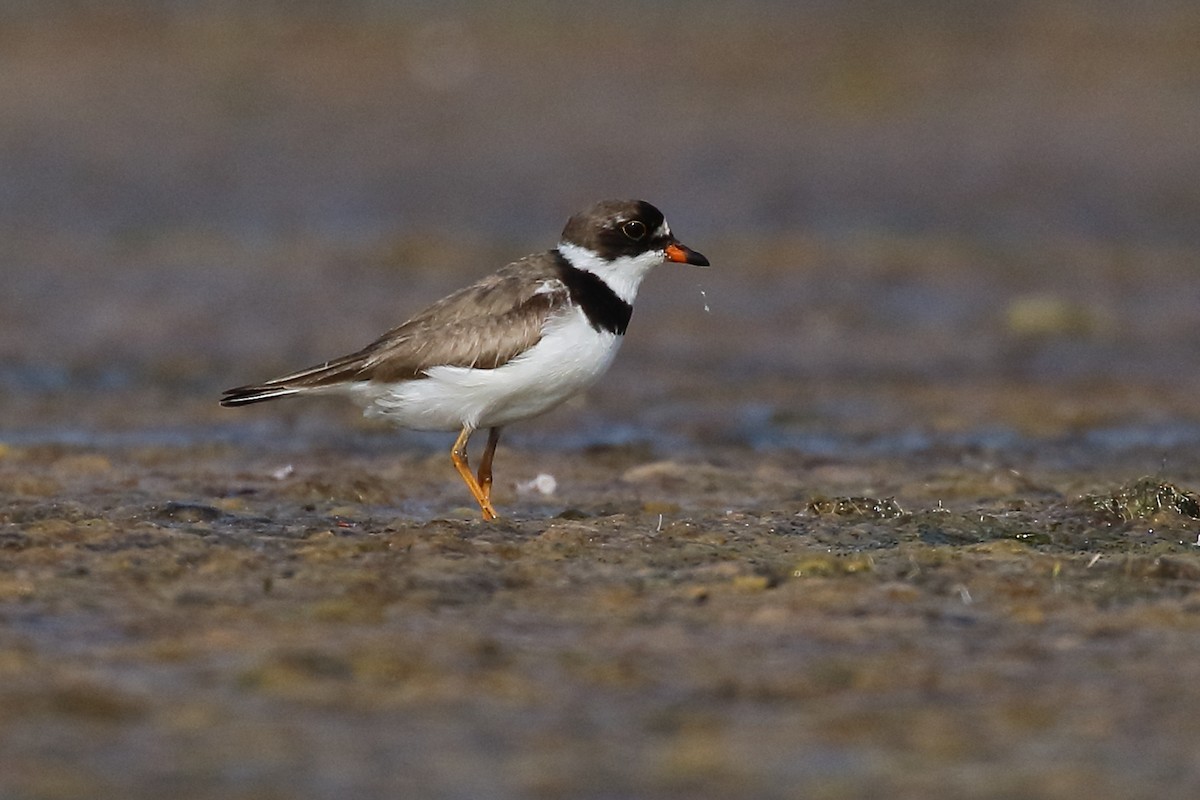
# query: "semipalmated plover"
[509,347]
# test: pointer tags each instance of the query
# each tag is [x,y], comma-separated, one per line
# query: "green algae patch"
[1146,498]
[831,565]
[861,507]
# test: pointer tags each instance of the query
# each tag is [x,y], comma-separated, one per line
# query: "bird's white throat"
[623,275]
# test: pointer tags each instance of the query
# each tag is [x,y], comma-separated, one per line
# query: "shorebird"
[511,346]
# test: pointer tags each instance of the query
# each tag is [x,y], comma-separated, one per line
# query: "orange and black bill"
[685,255]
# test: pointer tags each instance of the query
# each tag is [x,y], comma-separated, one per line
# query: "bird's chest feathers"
[571,355]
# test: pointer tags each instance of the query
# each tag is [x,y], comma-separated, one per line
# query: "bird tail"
[245,395]
[311,380]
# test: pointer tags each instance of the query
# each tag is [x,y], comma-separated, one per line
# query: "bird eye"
[635,229]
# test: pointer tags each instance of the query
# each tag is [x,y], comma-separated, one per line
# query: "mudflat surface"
[896,500]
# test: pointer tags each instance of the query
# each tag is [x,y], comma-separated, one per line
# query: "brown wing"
[483,325]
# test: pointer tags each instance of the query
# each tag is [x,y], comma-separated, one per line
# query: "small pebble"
[543,484]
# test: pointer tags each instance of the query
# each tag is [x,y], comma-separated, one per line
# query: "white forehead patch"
[663,230]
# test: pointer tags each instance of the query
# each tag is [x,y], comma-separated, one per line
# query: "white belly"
[570,357]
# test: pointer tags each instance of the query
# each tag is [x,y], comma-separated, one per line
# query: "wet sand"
[878,506]
[217,620]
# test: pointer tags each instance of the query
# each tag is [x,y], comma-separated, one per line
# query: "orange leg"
[459,458]
[485,463]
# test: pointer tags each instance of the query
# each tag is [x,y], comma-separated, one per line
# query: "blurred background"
[955,253]
[919,213]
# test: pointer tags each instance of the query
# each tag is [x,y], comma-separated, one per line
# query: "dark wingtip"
[245,395]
